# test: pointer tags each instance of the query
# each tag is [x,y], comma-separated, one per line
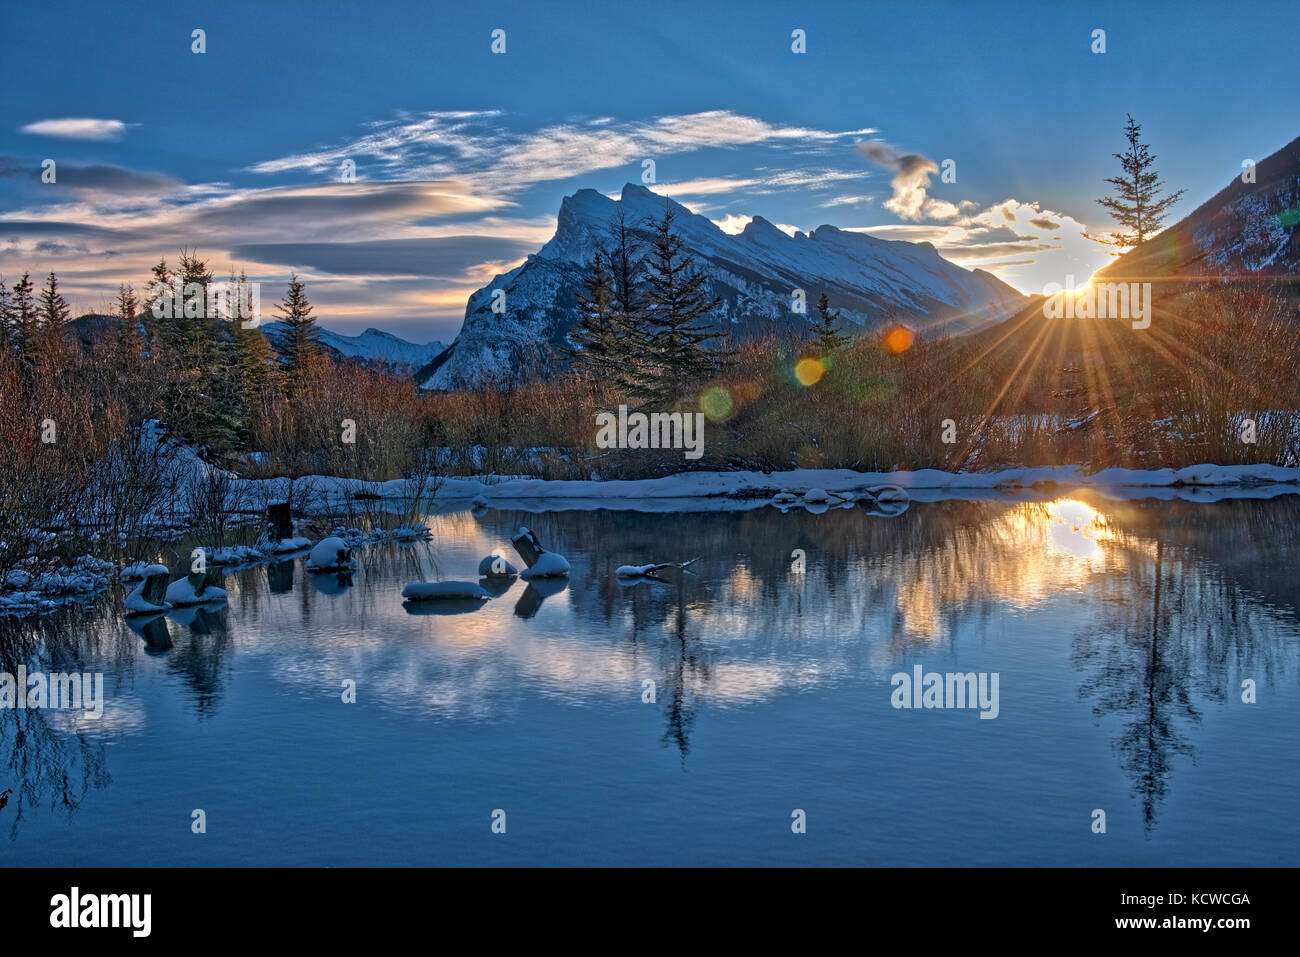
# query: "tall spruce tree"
[829,339]
[127,308]
[1137,204]
[6,316]
[257,361]
[594,336]
[54,308]
[675,303]
[300,347]
[25,322]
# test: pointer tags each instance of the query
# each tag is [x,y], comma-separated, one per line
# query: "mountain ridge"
[869,281]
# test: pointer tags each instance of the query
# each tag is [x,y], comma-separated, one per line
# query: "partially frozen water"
[1121,634]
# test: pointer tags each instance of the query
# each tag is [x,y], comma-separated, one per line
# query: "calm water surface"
[1121,633]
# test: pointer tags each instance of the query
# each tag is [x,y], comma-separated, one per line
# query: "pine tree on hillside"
[626,267]
[258,365]
[6,316]
[127,309]
[676,300]
[1137,206]
[203,398]
[300,348]
[829,339]
[54,308]
[593,337]
[25,322]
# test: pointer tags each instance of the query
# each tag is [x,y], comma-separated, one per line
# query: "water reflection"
[1162,608]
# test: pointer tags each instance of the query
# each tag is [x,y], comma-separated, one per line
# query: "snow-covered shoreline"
[690,491]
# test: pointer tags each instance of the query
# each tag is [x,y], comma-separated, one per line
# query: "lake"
[687,721]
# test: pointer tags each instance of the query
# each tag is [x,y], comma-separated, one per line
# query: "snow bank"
[137,570]
[234,555]
[286,545]
[431,591]
[709,490]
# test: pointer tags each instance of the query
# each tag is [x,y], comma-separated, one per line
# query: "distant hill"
[371,345]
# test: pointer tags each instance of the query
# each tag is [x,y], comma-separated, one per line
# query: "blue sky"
[462,156]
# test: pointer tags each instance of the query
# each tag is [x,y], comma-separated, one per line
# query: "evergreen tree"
[676,301]
[25,319]
[1137,206]
[54,308]
[257,362]
[300,346]
[6,317]
[594,337]
[829,339]
[128,314]
[203,396]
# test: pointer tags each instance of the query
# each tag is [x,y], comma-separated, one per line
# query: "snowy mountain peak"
[869,281]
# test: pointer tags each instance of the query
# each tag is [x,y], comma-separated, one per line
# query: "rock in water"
[494,566]
[548,565]
[329,555]
[433,591]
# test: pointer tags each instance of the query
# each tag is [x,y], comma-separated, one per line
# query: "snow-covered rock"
[138,570]
[135,603]
[181,592]
[816,495]
[329,555]
[548,565]
[285,545]
[18,578]
[436,591]
[233,555]
[494,566]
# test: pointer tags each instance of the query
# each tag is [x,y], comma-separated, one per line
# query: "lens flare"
[899,339]
[715,403]
[809,371]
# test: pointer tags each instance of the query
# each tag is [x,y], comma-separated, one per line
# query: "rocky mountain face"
[1247,229]
[755,272]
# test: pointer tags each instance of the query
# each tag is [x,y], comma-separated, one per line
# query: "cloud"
[1012,228]
[446,257]
[701,187]
[846,201]
[732,224]
[96,178]
[912,173]
[77,129]
[489,158]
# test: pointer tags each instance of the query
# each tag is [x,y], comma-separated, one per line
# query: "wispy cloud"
[77,129]
[478,149]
